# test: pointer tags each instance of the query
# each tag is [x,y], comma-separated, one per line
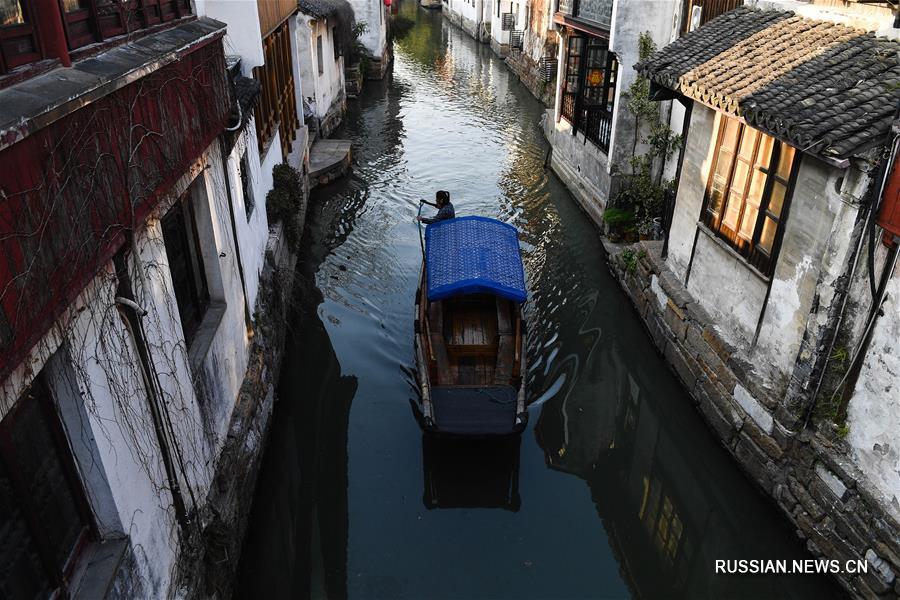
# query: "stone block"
[685,366]
[674,318]
[754,460]
[832,481]
[786,500]
[723,401]
[660,333]
[721,424]
[698,314]
[805,499]
[836,462]
[763,440]
[782,436]
[887,554]
[879,571]
[852,529]
[752,407]
[715,341]
[824,496]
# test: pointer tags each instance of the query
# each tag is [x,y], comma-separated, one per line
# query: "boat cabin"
[470,334]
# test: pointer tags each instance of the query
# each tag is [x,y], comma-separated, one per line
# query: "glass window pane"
[732,129]
[740,177]
[764,154]
[720,182]
[748,222]
[767,239]
[748,142]
[11,13]
[732,211]
[72,5]
[776,202]
[785,160]
[754,195]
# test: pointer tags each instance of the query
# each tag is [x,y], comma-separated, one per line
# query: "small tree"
[644,191]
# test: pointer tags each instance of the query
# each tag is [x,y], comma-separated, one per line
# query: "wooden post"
[49,22]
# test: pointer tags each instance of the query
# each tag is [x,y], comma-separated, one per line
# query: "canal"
[616,489]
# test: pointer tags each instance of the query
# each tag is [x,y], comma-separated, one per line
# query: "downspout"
[876,186]
[248,321]
[132,312]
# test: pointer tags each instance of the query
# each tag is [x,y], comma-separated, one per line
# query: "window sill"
[732,252]
[205,334]
[101,568]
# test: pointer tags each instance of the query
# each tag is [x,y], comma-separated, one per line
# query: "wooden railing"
[277,107]
[273,13]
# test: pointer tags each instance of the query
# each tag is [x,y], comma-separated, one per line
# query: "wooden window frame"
[750,249]
[198,281]
[10,33]
[59,578]
[110,19]
[593,119]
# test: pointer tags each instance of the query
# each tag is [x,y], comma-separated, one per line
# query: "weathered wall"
[694,171]
[324,91]
[95,374]
[252,230]
[818,226]
[834,505]
[243,38]
[580,164]
[874,410]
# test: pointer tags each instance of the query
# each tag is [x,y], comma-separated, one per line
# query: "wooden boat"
[470,333]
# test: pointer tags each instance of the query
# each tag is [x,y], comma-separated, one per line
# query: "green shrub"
[618,217]
[285,201]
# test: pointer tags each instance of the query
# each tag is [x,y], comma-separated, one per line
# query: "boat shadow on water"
[463,473]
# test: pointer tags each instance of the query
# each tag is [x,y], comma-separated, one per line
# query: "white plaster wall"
[497,34]
[874,409]
[94,351]
[327,87]
[374,14]
[631,18]
[727,288]
[243,37]
[253,232]
[817,234]
[698,154]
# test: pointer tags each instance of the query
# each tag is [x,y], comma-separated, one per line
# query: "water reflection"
[471,473]
[616,490]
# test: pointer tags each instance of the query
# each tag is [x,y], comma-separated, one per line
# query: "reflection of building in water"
[298,543]
[471,473]
[667,520]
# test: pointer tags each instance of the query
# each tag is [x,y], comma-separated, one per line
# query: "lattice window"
[89,21]
[19,43]
[44,516]
[509,22]
[748,192]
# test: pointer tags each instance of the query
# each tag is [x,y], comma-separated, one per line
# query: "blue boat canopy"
[474,255]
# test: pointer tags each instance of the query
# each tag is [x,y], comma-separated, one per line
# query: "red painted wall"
[889,215]
[71,193]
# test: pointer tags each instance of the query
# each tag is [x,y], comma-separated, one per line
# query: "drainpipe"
[248,321]
[875,190]
[132,313]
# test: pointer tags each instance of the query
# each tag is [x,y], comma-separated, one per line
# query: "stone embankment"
[810,477]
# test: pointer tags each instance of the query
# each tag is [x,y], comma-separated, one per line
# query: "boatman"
[445,208]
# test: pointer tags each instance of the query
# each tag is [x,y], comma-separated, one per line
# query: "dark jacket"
[445,212]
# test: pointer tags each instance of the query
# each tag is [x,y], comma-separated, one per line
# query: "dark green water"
[616,489]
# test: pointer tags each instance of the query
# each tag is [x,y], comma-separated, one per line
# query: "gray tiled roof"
[822,87]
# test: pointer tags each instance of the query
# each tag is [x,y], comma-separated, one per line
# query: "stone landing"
[328,160]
